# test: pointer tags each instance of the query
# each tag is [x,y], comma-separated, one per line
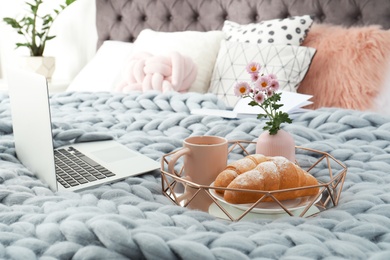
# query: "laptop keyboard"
[74,168]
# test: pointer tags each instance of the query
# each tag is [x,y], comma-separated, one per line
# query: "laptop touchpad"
[114,154]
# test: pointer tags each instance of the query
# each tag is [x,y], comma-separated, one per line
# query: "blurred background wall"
[75,42]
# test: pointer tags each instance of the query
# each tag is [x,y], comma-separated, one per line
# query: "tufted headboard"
[123,20]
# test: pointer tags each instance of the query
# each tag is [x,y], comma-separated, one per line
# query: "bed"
[133,219]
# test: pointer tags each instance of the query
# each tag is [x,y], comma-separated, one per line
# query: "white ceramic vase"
[280,144]
[44,65]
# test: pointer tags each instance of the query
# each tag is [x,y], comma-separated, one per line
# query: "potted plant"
[262,91]
[35,28]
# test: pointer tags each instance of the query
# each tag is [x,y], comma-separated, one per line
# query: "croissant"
[273,173]
[236,168]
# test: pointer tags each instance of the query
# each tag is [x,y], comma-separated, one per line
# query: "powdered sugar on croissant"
[236,168]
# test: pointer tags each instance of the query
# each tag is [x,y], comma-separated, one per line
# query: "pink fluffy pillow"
[349,66]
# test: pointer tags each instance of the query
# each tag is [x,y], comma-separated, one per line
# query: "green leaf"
[276,106]
[285,118]
[50,37]
[276,96]
[68,2]
[23,45]
[12,22]
[34,9]
[273,131]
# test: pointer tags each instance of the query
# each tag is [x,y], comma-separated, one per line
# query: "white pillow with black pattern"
[289,63]
[292,31]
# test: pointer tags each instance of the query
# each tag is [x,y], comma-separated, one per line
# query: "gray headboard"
[123,20]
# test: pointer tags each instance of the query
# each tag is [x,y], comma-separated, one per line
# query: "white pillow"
[292,30]
[289,63]
[104,71]
[201,47]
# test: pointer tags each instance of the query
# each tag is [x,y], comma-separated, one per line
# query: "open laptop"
[105,161]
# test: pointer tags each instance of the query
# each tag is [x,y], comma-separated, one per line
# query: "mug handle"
[175,157]
[171,165]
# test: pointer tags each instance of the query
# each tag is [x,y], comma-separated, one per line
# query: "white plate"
[238,213]
[269,207]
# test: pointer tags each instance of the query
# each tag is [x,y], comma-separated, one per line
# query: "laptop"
[104,161]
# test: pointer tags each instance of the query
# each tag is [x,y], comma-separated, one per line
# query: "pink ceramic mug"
[204,158]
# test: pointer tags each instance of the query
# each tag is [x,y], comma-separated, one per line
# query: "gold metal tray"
[329,172]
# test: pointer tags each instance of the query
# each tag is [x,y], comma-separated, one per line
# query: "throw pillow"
[291,30]
[144,72]
[288,62]
[349,67]
[201,47]
[103,72]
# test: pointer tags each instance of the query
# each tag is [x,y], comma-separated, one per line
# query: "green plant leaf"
[68,2]
[276,106]
[35,28]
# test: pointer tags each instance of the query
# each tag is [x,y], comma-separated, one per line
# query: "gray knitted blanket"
[132,219]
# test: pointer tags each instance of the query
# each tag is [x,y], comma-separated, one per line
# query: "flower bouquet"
[263,92]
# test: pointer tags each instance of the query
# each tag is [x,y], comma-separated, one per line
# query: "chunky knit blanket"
[132,219]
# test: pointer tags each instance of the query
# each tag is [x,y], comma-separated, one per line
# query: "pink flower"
[274,84]
[241,88]
[259,97]
[254,77]
[253,67]
[270,92]
[272,76]
[262,83]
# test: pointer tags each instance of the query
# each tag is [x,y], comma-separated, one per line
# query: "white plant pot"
[44,65]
